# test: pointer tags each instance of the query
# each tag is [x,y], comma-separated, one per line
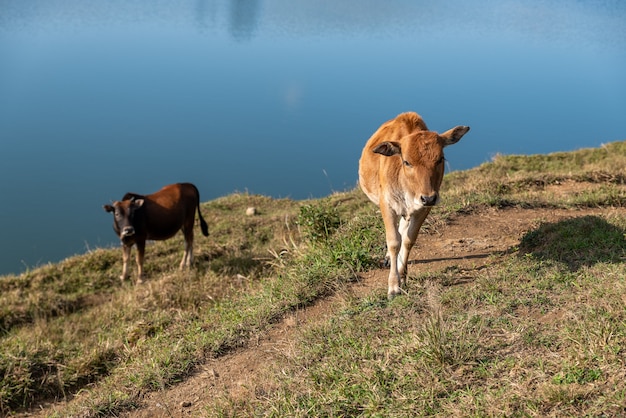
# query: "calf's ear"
[108,208]
[387,148]
[454,135]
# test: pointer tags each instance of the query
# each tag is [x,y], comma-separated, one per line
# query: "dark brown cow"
[157,216]
[401,170]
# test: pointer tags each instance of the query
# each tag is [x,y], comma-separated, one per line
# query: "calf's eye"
[406,163]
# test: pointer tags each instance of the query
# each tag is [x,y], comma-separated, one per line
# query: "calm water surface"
[276,97]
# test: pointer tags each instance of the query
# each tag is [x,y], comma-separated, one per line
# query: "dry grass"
[536,332]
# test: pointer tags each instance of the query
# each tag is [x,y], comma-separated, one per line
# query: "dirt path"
[468,241]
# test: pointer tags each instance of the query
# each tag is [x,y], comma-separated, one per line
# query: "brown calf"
[157,216]
[401,169]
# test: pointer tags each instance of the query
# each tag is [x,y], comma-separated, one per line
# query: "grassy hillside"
[71,331]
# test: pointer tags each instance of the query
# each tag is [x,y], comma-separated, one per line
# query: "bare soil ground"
[467,241]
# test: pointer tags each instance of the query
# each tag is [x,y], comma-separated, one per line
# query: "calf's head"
[124,214]
[419,162]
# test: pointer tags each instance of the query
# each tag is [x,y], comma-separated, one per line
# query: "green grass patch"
[536,332]
[450,350]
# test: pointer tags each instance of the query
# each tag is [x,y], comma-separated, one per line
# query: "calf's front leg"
[393,238]
[409,228]
[141,251]
[125,256]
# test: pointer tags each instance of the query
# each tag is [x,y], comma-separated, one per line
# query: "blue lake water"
[276,97]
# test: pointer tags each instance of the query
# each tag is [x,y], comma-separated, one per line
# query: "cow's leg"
[141,251]
[393,246]
[125,256]
[403,255]
[409,230]
[188,254]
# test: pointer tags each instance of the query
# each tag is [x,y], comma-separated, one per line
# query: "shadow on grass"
[577,242]
[237,264]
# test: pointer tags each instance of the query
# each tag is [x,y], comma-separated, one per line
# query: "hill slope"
[467,245]
[514,306]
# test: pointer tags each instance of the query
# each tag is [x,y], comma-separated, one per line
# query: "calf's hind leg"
[188,254]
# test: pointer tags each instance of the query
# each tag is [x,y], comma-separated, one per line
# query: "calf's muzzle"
[127,231]
[429,200]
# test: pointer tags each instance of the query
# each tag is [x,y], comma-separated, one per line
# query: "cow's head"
[421,161]
[124,213]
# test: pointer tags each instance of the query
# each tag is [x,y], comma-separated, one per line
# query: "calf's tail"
[203,225]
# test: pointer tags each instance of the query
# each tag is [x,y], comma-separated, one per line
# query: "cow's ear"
[454,135]
[108,208]
[387,148]
[138,203]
